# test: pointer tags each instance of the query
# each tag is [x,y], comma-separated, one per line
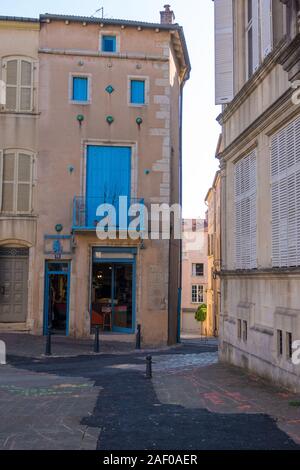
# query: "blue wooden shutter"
[108,178]
[109,43]
[80,89]
[137,92]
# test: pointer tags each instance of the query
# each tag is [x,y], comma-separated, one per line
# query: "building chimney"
[167,16]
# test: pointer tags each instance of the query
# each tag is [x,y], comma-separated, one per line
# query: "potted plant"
[201,315]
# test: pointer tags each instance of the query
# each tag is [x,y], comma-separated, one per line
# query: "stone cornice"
[262,273]
[290,58]
[87,53]
[262,122]
[291,47]
[28,26]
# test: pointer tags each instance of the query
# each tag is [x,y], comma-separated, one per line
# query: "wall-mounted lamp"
[59,228]
[80,119]
[216,274]
[109,119]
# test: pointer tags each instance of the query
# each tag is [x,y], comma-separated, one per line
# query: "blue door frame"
[46,292]
[113,262]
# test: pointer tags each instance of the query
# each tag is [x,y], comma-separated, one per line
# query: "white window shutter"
[19,85]
[285,171]
[255,35]
[245,212]
[2,93]
[266,27]
[223,51]
[1,178]
[11,80]
[26,85]
[253,223]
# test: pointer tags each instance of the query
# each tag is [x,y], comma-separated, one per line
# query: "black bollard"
[96,343]
[149,367]
[138,338]
[48,344]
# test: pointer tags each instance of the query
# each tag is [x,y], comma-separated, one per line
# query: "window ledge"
[109,53]
[80,103]
[261,272]
[134,105]
[12,216]
[20,113]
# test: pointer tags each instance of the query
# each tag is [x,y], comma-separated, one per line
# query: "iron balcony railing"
[89,213]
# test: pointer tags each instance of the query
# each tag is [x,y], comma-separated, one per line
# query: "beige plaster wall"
[63,144]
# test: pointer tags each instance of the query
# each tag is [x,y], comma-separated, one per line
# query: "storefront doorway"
[113,292]
[57,286]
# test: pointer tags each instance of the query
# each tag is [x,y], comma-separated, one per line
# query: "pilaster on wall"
[223,170]
[163,113]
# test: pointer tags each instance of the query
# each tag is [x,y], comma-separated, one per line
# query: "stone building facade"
[257,64]
[194,275]
[213,201]
[109,102]
[19,116]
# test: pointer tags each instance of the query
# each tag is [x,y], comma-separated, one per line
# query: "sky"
[200,129]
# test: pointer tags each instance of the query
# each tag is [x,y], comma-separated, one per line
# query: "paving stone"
[105,402]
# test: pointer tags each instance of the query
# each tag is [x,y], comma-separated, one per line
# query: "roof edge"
[111,21]
[131,23]
[19,19]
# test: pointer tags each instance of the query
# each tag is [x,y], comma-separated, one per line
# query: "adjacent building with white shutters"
[19,40]
[257,73]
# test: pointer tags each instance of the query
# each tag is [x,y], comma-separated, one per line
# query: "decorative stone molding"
[262,273]
[290,56]
[257,126]
[262,329]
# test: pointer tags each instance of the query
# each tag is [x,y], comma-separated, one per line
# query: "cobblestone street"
[105,402]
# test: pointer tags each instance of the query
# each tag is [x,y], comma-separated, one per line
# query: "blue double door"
[108,176]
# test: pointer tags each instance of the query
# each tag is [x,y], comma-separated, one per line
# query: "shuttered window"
[285,173]
[16,182]
[18,77]
[137,91]
[259,33]
[245,212]
[256,58]
[109,43]
[252,36]
[223,51]
[266,27]
[80,91]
